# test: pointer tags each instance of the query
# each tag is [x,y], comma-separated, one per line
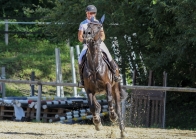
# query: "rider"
[91,11]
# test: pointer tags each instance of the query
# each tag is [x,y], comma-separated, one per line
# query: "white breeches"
[103,48]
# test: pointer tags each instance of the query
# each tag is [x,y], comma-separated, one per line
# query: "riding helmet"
[91,8]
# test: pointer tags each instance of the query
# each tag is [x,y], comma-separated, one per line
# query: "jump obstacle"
[52,110]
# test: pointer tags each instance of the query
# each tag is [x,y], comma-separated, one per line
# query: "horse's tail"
[123,93]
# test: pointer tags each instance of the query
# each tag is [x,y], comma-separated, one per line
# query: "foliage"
[160,33]
[24,8]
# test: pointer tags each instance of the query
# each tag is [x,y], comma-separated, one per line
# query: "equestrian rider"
[91,11]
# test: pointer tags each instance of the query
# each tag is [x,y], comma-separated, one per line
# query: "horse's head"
[93,30]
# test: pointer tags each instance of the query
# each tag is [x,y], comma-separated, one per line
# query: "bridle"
[90,31]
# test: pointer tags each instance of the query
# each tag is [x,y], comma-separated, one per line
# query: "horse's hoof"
[114,119]
[123,135]
[98,127]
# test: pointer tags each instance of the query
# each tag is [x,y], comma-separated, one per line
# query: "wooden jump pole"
[177,89]
[38,82]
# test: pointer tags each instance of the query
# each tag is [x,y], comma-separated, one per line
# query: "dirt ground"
[29,130]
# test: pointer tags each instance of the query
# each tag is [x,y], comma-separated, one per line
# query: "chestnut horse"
[98,79]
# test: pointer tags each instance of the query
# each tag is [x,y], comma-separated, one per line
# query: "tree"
[23,8]
[160,33]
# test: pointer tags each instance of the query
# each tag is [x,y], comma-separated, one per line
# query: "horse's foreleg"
[113,116]
[96,117]
[95,109]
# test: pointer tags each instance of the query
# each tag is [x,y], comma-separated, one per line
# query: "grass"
[22,56]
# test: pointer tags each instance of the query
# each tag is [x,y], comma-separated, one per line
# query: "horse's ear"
[102,19]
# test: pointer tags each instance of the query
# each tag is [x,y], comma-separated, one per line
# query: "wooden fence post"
[134,78]
[133,83]
[3,84]
[6,29]
[38,112]
[165,93]
[32,85]
[150,78]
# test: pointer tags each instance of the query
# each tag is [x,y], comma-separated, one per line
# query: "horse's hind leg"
[112,114]
[95,109]
[119,113]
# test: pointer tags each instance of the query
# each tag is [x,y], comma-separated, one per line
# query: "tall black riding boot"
[81,83]
[114,68]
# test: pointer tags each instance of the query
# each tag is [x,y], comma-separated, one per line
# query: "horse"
[98,79]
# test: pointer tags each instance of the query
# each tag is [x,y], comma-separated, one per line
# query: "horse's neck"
[94,59]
